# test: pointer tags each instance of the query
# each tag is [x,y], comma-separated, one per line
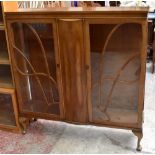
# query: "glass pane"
[35,66]
[115,63]
[6,110]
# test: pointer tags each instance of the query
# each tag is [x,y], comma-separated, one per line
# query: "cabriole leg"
[139,134]
[24,122]
[33,120]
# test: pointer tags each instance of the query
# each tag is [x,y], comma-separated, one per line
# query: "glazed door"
[116,72]
[36,68]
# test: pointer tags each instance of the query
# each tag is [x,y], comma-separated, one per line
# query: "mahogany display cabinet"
[80,65]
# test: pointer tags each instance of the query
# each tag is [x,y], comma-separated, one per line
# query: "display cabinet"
[8,104]
[80,65]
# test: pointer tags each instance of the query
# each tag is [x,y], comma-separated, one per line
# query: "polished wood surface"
[73,69]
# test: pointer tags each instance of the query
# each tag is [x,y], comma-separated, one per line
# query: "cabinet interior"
[115,71]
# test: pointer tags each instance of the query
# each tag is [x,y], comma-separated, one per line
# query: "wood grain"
[73,69]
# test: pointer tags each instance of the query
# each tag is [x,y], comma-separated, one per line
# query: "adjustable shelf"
[2,27]
[4,60]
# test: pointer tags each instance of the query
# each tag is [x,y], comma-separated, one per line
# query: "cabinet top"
[12,8]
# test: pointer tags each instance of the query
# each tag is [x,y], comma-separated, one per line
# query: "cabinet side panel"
[73,70]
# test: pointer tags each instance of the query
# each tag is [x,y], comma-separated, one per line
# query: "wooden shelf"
[4,58]
[2,27]
[6,82]
[1,21]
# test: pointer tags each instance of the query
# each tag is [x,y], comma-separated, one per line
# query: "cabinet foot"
[24,122]
[139,148]
[33,120]
[23,132]
[139,134]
